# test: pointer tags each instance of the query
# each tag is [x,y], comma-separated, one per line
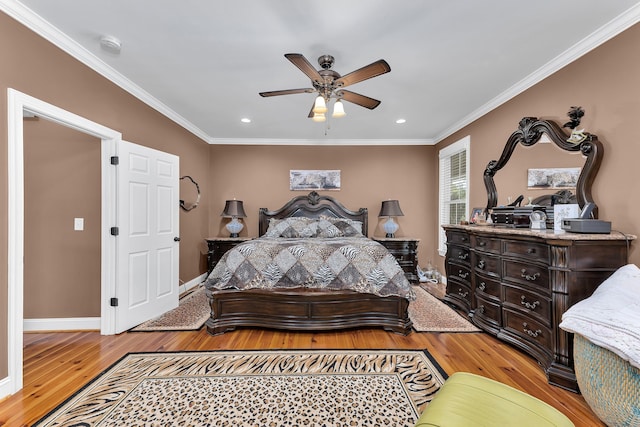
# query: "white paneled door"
[148,234]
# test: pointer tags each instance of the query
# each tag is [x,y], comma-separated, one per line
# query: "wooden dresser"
[517,283]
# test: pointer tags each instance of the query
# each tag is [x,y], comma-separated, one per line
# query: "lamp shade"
[233,209]
[319,117]
[390,208]
[320,106]
[338,109]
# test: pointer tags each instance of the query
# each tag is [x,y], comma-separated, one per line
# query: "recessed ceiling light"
[400,121]
[245,120]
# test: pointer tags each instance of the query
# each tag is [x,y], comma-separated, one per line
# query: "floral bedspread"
[340,263]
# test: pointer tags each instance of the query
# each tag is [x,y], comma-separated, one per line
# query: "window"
[454,187]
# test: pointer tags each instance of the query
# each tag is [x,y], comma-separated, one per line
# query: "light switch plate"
[78,224]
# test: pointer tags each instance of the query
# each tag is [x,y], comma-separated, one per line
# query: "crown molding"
[43,28]
[321,142]
[595,39]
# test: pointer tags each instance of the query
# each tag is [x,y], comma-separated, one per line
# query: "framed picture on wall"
[314,180]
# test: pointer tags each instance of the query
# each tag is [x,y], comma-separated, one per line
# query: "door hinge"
[115,160]
[113,302]
[115,231]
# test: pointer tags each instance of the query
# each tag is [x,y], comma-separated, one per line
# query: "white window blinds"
[454,187]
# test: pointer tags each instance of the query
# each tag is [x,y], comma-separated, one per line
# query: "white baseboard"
[6,387]
[86,323]
[62,324]
[192,283]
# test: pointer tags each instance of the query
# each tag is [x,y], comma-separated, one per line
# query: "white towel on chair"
[610,318]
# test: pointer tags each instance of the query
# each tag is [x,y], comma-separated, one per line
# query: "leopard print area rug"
[308,388]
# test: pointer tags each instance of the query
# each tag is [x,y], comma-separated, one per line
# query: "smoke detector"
[111,44]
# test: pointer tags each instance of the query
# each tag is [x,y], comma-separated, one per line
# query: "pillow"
[339,227]
[293,227]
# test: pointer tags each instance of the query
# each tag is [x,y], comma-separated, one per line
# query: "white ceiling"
[203,62]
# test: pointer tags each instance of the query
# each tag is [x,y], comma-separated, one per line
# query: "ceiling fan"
[329,84]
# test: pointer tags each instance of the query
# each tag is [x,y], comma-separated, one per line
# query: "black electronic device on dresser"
[218,246]
[405,250]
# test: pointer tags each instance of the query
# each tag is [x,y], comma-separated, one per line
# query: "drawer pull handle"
[530,332]
[529,277]
[482,243]
[481,264]
[530,306]
[531,250]
[463,256]
[463,239]
[482,286]
[463,274]
[481,309]
[462,294]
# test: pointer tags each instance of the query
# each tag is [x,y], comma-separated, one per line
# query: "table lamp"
[233,209]
[390,209]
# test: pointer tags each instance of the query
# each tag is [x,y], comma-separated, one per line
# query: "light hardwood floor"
[57,364]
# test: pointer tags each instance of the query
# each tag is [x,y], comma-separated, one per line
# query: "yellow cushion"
[471,400]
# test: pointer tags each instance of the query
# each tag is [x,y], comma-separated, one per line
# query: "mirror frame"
[529,132]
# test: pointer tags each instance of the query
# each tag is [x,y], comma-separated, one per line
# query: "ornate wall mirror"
[531,131]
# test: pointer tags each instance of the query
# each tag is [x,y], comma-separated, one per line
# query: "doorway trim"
[17,103]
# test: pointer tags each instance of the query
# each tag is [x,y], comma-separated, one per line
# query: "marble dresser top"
[543,234]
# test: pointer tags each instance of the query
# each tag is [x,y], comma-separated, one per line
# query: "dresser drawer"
[460,272]
[531,275]
[528,328]
[460,254]
[530,303]
[457,237]
[527,250]
[488,311]
[486,244]
[460,291]
[489,287]
[488,264]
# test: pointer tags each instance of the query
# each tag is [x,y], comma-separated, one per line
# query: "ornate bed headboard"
[313,205]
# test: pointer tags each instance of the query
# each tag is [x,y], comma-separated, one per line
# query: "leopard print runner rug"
[191,313]
[429,314]
[256,388]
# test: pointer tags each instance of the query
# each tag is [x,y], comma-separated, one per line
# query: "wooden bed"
[306,309]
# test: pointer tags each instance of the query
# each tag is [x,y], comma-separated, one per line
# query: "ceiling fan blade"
[286,92]
[372,70]
[304,65]
[356,98]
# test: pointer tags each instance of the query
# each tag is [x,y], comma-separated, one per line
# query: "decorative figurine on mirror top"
[577,136]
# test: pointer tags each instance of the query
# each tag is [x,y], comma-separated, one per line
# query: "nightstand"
[405,250]
[218,246]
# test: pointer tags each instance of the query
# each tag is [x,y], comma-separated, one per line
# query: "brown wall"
[606,83]
[259,176]
[62,182]
[36,67]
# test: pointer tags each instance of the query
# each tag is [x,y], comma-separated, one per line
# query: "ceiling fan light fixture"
[320,106]
[338,109]
[318,117]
